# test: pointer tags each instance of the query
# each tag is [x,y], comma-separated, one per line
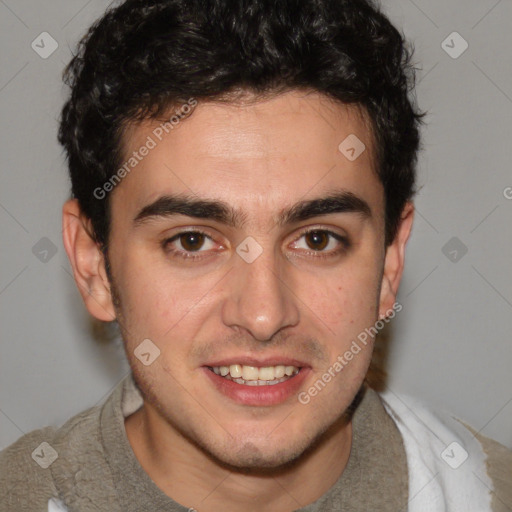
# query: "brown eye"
[317,240]
[322,243]
[192,245]
[192,241]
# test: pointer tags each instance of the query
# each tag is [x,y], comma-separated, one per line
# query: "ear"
[394,261]
[87,262]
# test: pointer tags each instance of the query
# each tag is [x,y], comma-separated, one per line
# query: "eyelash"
[183,254]
[344,241]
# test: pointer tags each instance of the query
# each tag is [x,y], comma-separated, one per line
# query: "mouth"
[254,375]
[260,384]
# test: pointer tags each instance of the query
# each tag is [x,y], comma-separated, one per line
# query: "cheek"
[156,300]
[340,308]
[346,298]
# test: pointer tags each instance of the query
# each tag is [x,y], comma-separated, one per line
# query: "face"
[246,242]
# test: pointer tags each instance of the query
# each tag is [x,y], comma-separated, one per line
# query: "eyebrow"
[171,205]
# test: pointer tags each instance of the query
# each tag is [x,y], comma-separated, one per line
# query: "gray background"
[452,343]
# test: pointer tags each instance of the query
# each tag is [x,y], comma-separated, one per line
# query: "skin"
[199,446]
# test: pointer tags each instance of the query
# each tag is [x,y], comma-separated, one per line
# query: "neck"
[194,479]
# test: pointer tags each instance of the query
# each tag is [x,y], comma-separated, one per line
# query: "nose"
[260,297]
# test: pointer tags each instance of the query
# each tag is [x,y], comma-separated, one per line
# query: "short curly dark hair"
[144,56]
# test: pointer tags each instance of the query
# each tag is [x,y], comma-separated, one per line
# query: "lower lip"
[258,395]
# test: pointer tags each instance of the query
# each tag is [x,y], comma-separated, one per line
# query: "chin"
[252,458]
[262,454]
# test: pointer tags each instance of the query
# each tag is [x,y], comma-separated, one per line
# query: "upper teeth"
[237,371]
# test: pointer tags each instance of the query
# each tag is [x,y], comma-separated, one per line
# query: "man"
[242,178]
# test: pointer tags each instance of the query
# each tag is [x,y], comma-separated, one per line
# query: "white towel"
[55,505]
[446,463]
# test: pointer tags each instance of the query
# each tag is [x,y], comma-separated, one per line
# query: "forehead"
[255,154]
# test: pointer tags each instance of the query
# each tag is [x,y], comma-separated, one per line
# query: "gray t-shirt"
[96,469]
